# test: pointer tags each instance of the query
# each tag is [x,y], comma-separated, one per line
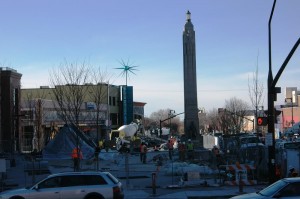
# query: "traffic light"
[262,121]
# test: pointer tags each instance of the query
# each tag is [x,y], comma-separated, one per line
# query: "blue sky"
[231,38]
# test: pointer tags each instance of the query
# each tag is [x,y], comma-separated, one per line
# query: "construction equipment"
[125,138]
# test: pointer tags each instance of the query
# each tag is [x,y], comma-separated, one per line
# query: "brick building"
[9,109]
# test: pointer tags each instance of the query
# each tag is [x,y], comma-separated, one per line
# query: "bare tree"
[160,115]
[212,119]
[236,110]
[69,92]
[150,124]
[256,92]
[99,93]
[224,123]
[71,85]
[163,115]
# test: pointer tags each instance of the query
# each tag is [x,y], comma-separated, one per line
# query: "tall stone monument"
[191,119]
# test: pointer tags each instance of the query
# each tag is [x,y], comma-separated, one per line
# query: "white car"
[288,188]
[71,185]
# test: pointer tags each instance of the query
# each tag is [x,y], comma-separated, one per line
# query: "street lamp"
[290,98]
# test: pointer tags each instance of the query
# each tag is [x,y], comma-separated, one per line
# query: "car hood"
[249,196]
[14,191]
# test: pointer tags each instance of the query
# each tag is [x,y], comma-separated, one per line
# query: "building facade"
[9,109]
[43,118]
[290,110]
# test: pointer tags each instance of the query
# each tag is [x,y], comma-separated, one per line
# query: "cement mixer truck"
[125,138]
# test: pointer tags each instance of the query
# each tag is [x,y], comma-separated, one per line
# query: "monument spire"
[191,120]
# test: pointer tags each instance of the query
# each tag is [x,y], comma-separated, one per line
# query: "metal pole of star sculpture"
[126,68]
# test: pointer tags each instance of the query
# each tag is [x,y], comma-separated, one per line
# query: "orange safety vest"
[75,153]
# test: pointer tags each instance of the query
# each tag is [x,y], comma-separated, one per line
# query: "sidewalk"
[191,193]
[136,179]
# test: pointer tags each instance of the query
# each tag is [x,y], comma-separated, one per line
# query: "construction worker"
[181,149]
[101,144]
[145,150]
[106,145]
[216,151]
[76,156]
[190,150]
[292,172]
[277,171]
[216,156]
[170,148]
[141,152]
[132,143]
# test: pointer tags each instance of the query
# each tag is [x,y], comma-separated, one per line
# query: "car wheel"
[94,197]
[16,197]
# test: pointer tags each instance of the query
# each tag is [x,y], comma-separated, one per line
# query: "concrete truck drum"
[127,139]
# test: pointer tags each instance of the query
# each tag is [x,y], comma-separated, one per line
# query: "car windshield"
[112,178]
[273,188]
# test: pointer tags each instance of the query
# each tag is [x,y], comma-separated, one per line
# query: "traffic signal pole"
[160,121]
[272,95]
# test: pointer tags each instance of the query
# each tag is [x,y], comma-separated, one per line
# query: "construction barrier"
[237,174]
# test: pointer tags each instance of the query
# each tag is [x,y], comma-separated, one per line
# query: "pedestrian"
[181,149]
[170,148]
[76,156]
[190,150]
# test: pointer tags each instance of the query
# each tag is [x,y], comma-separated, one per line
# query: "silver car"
[288,188]
[71,185]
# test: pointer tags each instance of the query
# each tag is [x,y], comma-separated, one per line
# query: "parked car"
[284,188]
[71,185]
